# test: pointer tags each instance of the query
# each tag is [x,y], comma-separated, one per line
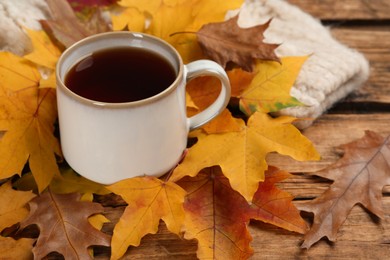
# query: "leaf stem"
[183,32]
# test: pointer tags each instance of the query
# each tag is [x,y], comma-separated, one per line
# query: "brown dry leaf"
[241,155]
[63,224]
[149,200]
[27,115]
[359,177]
[67,28]
[226,41]
[13,205]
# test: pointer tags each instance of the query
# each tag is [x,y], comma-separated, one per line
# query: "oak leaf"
[226,41]
[67,28]
[269,91]
[13,205]
[241,155]
[359,177]
[27,115]
[149,200]
[218,217]
[63,224]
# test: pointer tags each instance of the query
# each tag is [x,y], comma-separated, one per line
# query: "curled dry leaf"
[359,177]
[226,41]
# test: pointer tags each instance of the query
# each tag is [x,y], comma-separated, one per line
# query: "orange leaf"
[149,200]
[274,206]
[216,216]
[16,249]
[359,177]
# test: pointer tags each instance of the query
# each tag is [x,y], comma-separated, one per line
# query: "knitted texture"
[332,70]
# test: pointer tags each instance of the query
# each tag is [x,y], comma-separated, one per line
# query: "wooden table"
[365,26]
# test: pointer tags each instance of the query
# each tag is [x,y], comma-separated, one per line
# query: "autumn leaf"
[218,217]
[13,205]
[67,28]
[45,52]
[226,41]
[274,206]
[269,91]
[63,224]
[359,177]
[149,200]
[27,115]
[168,17]
[16,249]
[241,155]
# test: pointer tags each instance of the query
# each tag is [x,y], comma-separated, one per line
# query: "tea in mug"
[119,75]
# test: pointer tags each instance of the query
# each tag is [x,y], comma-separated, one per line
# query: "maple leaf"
[149,200]
[359,177]
[16,249]
[226,41]
[27,115]
[269,91]
[241,155]
[67,28]
[12,207]
[63,224]
[168,17]
[218,217]
[274,206]
[45,52]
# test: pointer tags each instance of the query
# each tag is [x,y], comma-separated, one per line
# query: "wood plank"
[346,9]
[362,236]
[328,133]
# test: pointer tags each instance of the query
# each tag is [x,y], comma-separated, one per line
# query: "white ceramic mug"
[109,142]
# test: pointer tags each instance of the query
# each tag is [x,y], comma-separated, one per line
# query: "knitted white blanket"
[332,70]
[330,74]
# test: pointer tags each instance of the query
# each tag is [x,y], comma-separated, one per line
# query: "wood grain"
[346,10]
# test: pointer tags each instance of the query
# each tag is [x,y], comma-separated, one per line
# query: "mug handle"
[208,68]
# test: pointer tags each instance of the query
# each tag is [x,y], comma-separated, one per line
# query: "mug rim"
[95,103]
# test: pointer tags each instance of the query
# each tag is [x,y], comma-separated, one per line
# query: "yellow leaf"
[27,115]
[13,205]
[149,200]
[241,155]
[16,249]
[45,53]
[131,18]
[269,90]
[17,73]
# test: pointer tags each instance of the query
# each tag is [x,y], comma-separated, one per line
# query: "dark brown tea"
[122,74]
